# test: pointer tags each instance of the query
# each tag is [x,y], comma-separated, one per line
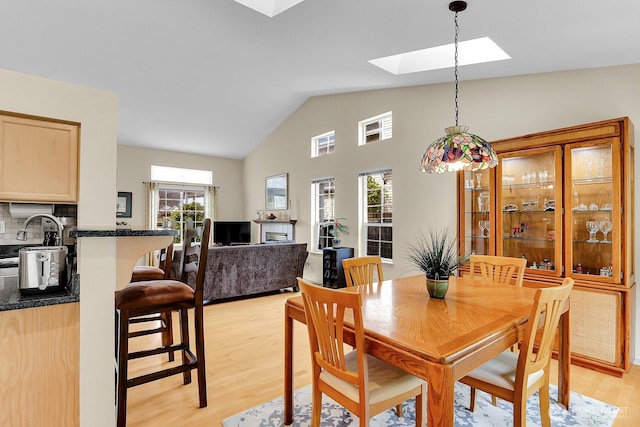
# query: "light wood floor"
[244,347]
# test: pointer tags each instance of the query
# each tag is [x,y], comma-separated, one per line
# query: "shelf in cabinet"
[589,211]
[482,188]
[528,211]
[546,184]
[527,239]
[599,242]
[595,180]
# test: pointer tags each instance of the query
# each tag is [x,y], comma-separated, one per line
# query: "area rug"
[583,411]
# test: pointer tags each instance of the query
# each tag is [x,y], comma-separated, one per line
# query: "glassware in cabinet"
[477,221]
[529,203]
[593,206]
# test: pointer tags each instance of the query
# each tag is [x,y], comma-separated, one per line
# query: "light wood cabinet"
[39,159]
[40,353]
[563,199]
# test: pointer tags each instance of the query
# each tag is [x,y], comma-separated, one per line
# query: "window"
[180,205]
[323,197]
[188,176]
[323,144]
[375,129]
[180,196]
[377,207]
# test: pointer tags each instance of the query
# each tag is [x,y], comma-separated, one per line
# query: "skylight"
[269,7]
[474,51]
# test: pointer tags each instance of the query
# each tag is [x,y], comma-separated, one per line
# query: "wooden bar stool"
[159,296]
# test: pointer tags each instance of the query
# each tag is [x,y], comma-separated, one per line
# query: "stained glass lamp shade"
[458,150]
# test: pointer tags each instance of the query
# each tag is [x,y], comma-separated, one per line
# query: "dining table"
[438,340]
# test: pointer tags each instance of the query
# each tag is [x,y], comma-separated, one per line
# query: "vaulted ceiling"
[215,77]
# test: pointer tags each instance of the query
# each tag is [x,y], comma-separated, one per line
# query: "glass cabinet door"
[529,208]
[477,223]
[593,207]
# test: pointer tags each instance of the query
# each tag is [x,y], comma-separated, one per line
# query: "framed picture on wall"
[123,205]
[275,188]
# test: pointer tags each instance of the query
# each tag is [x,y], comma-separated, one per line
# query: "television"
[231,232]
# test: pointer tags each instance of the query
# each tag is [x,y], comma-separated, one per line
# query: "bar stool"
[160,296]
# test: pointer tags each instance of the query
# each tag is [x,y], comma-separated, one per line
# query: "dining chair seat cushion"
[501,371]
[153,293]
[385,380]
[142,273]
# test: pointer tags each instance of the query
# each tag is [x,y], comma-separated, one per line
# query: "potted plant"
[437,256]
[337,228]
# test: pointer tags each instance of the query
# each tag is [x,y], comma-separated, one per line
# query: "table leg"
[564,359]
[440,397]
[288,367]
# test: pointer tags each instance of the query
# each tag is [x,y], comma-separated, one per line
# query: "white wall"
[494,109]
[134,168]
[96,111]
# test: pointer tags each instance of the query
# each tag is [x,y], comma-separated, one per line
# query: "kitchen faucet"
[22,233]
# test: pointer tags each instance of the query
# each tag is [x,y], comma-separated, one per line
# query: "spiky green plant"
[436,255]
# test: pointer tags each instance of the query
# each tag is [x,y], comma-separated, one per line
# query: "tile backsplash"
[34,230]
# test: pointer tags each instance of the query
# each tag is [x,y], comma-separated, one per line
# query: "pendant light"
[458,149]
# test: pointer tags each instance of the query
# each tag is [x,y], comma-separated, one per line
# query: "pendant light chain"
[456,63]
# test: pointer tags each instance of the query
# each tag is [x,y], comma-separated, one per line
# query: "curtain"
[210,205]
[152,207]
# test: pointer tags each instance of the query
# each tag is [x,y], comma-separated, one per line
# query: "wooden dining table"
[438,340]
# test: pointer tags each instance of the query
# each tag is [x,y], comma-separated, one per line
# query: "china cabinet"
[563,199]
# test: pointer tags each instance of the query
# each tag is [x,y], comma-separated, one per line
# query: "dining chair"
[516,377]
[499,269]
[159,296]
[361,270]
[361,383]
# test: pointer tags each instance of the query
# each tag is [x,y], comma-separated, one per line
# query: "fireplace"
[275,236]
[272,231]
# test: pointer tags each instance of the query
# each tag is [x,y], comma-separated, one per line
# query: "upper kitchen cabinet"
[563,199]
[39,159]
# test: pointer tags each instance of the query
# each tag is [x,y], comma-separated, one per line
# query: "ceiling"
[215,77]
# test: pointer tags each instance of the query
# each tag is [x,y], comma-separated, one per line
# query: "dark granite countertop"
[12,299]
[125,232]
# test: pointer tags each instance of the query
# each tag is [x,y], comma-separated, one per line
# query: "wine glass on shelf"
[478,179]
[592,228]
[484,225]
[605,226]
[487,225]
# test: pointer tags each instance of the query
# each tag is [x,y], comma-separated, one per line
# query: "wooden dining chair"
[500,269]
[361,383]
[516,377]
[160,296]
[361,270]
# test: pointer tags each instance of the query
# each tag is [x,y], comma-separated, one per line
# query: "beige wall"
[493,108]
[134,168]
[96,111]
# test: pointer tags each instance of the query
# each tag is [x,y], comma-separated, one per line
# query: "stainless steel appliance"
[42,268]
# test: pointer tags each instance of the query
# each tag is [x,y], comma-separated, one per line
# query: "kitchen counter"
[131,245]
[125,232]
[12,299]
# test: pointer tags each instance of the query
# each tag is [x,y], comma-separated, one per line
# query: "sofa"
[243,270]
